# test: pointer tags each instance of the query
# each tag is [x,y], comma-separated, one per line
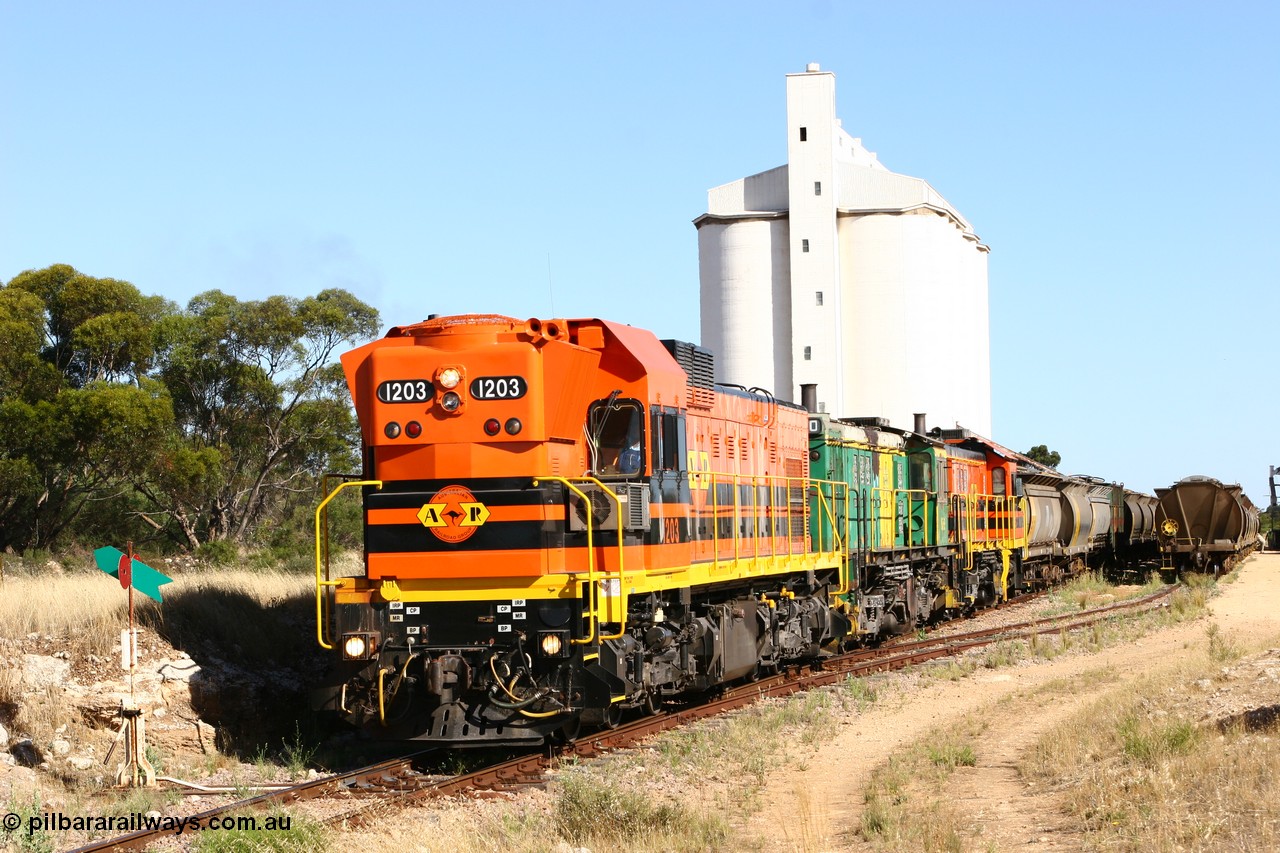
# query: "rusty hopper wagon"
[1204,526]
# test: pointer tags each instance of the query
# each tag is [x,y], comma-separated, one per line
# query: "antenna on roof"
[550,286]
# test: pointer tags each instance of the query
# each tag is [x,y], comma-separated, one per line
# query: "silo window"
[804,134]
[819,295]
[817,187]
[808,353]
[804,245]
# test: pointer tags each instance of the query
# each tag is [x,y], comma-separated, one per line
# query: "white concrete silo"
[874,285]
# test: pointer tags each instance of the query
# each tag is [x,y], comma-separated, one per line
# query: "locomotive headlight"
[448,378]
[553,644]
[513,426]
[356,646]
[451,401]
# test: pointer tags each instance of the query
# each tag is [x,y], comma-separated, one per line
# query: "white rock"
[183,670]
[4,737]
[41,671]
[60,747]
[7,760]
[81,762]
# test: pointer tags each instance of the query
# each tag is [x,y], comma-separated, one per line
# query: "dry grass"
[1093,590]
[239,616]
[906,807]
[1143,771]
[232,607]
[90,608]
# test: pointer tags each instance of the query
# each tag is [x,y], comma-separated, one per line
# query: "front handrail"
[622,619]
[593,596]
[323,581]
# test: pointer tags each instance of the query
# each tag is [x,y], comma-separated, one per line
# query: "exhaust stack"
[919,416]
[809,398]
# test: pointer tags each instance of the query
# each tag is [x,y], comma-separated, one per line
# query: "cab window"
[921,472]
[615,433]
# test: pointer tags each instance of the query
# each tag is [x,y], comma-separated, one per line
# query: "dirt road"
[992,795]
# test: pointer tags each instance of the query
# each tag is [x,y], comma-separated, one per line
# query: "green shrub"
[217,552]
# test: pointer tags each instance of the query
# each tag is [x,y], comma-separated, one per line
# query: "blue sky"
[540,159]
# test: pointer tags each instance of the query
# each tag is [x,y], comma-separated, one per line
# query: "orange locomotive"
[563,520]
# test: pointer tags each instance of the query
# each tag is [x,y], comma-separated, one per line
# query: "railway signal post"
[134,771]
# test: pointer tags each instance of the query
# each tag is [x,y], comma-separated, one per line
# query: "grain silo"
[832,270]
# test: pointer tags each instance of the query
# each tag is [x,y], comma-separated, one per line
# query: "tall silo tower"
[832,270]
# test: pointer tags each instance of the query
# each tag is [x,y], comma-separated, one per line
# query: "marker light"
[451,401]
[392,430]
[355,647]
[513,426]
[492,427]
[448,378]
[413,429]
[552,644]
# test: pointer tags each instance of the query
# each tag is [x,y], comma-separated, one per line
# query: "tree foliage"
[1042,454]
[122,415]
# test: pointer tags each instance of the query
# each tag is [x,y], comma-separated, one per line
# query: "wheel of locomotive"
[612,717]
[652,703]
[568,732]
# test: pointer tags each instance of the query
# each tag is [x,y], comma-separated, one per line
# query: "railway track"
[395,783]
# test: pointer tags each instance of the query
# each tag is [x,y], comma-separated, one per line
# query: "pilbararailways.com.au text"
[137,821]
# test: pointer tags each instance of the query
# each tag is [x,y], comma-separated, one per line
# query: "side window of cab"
[615,438]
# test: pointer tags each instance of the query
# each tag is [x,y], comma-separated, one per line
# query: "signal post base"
[135,771]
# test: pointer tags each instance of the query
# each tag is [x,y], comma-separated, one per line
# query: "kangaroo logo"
[453,514]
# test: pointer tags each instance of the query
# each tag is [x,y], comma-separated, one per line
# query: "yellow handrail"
[764,518]
[622,620]
[593,597]
[322,582]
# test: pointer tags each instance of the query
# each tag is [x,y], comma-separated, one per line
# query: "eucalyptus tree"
[121,413]
[259,403]
[75,404]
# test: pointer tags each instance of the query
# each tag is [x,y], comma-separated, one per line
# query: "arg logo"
[453,514]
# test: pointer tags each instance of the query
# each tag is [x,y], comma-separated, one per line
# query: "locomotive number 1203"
[405,391]
[498,387]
